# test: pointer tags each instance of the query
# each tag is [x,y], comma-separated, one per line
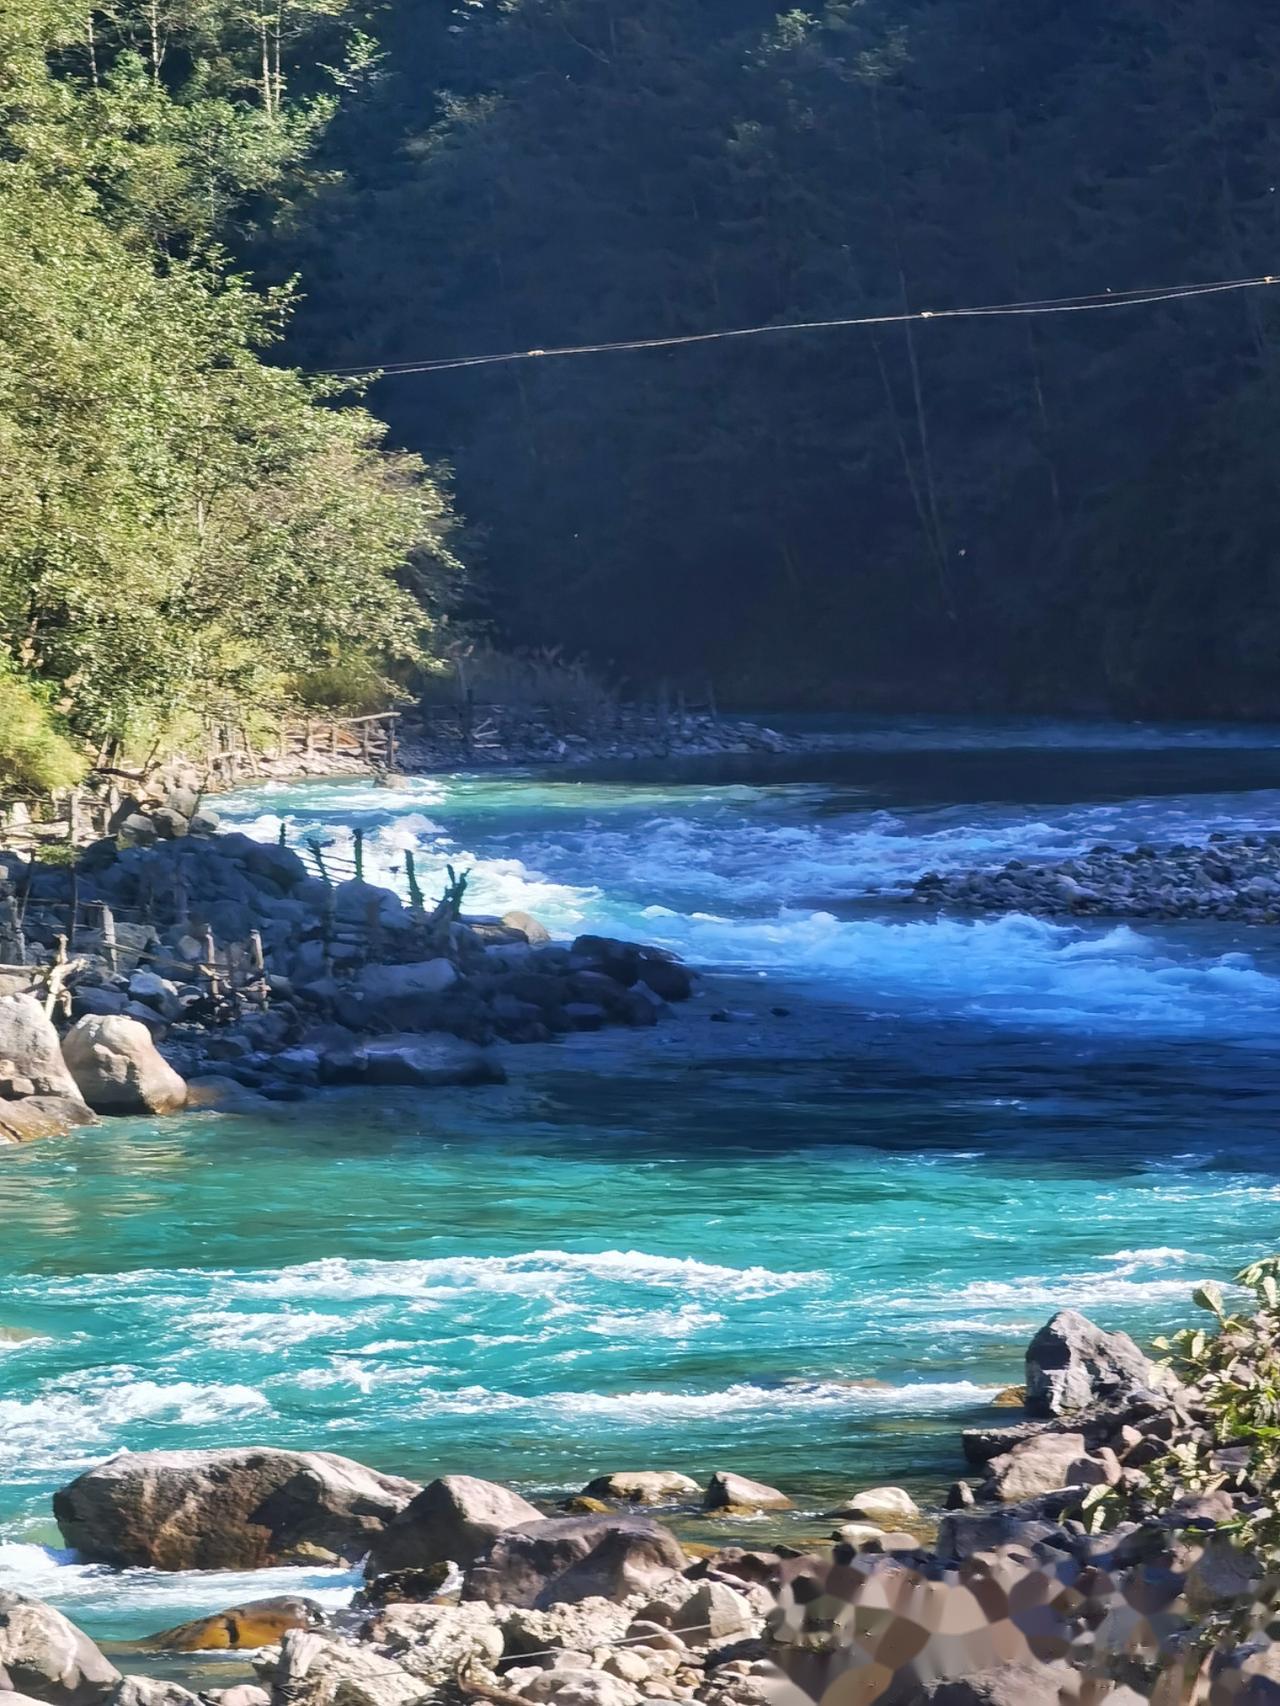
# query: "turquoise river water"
[808,1240]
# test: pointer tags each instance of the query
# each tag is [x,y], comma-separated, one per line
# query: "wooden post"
[259,963]
[14,928]
[391,744]
[73,817]
[211,962]
[416,900]
[359,834]
[109,941]
[75,907]
[57,972]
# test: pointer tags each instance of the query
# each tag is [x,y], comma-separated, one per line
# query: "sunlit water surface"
[807,1244]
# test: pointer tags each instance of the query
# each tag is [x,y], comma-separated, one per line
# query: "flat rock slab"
[42,1116]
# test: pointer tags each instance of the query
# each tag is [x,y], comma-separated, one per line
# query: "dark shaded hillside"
[1044,512]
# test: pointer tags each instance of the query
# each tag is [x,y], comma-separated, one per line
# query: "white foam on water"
[73,1418]
[741,1398]
[655,1323]
[95,1591]
[534,1273]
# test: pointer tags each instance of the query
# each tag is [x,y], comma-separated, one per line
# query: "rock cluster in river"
[473,1593]
[1231,877]
[354,986]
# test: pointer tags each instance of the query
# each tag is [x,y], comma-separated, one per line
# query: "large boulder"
[29,1041]
[42,1116]
[47,1658]
[567,1559]
[237,1509]
[118,1069]
[1071,1364]
[452,1519]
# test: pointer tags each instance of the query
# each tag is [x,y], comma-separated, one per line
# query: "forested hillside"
[186,529]
[1046,512]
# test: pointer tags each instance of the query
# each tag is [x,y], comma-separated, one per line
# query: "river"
[803,1229]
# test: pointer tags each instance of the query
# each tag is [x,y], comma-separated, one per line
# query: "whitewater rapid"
[803,1229]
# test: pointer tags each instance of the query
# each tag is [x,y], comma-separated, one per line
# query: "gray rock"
[48,1658]
[316,1668]
[642,1486]
[880,1505]
[1071,1364]
[168,823]
[117,1069]
[152,1691]
[236,1509]
[393,983]
[961,1534]
[1043,1465]
[28,1039]
[727,1491]
[568,1559]
[452,1519]
[155,991]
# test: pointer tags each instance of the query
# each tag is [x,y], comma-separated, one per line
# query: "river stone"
[393,983]
[641,1486]
[882,1505]
[316,1668]
[532,929]
[726,1490]
[42,1116]
[452,1519]
[28,1039]
[1043,1465]
[236,1509]
[152,1691]
[260,1623]
[48,1658]
[572,1558]
[1071,1364]
[118,1069]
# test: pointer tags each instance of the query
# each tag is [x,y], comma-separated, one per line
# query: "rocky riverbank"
[536,739]
[1229,877]
[218,969]
[1110,1554]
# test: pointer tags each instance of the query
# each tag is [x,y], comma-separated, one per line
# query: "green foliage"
[183,523]
[1234,1368]
[34,753]
[1045,510]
